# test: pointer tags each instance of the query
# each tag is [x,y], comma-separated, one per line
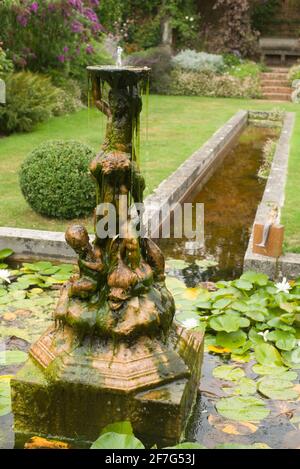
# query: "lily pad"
[203,305]
[4,253]
[292,358]
[176,264]
[114,441]
[231,340]
[269,370]
[243,284]
[267,354]
[176,286]
[256,278]
[278,324]
[205,263]
[228,322]
[123,427]
[276,388]
[284,340]
[228,372]
[242,408]
[245,387]
[255,337]
[240,306]
[14,331]
[222,303]
[12,357]
[5,401]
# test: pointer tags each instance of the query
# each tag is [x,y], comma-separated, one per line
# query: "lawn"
[177,126]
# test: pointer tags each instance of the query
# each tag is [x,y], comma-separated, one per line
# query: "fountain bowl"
[127,73]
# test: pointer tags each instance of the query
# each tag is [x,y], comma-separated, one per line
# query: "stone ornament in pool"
[113,352]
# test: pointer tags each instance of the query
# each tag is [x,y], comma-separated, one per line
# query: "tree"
[235,30]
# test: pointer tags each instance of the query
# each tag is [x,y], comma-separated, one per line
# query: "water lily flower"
[264,335]
[4,275]
[190,323]
[283,286]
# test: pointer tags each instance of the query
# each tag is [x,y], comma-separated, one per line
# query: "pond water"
[230,201]
[23,321]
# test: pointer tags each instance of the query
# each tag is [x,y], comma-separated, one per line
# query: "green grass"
[177,126]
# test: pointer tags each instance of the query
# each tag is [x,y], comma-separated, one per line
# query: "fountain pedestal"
[113,352]
[76,392]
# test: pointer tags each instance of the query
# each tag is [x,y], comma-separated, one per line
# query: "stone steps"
[275,85]
[276,89]
[275,82]
[277,96]
[274,76]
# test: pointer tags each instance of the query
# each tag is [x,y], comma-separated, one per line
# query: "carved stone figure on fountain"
[91,270]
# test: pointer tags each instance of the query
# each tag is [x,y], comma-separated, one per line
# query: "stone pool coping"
[288,265]
[191,175]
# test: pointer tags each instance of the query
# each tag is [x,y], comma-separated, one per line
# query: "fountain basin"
[112,74]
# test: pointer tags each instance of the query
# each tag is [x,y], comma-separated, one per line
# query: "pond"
[230,201]
[25,314]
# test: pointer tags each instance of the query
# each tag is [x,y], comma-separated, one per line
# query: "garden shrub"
[246,69]
[232,60]
[46,34]
[209,84]
[69,95]
[294,73]
[30,98]
[159,60]
[6,65]
[55,179]
[198,61]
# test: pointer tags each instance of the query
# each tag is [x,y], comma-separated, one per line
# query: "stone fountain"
[113,352]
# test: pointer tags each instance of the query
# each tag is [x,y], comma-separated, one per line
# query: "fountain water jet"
[113,352]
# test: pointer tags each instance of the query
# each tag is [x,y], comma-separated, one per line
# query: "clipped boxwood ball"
[55,179]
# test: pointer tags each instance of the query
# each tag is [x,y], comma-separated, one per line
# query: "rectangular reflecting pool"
[230,199]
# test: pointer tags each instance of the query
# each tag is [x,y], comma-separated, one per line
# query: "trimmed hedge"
[55,179]
[209,84]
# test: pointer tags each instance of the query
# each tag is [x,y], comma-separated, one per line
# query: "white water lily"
[190,323]
[264,335]
[283,286]
[4,275]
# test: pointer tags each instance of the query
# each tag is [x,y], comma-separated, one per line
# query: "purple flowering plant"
[49,34]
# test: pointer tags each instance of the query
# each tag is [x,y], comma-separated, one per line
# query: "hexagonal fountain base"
[72,390]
